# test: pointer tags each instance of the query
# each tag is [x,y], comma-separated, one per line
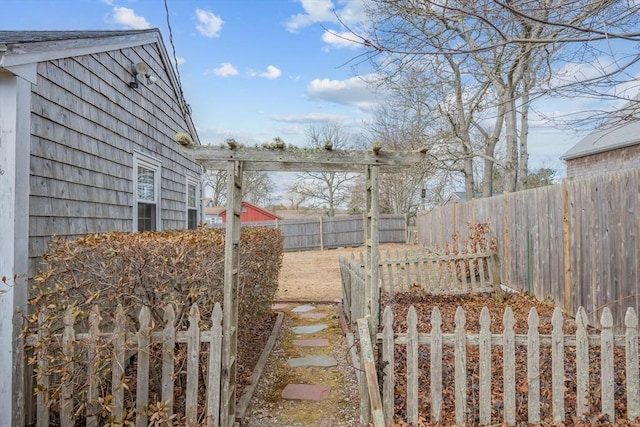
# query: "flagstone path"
[308,380]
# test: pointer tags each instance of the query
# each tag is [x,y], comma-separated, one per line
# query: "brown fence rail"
[120,342]
[611,389]
[459,273]
[301,234]
[577,242]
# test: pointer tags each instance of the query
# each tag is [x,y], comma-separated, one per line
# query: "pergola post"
[231,282]
[372,216]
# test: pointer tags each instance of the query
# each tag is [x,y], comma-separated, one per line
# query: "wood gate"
[235,159]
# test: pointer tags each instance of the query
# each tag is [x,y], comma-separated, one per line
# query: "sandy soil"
[315,275]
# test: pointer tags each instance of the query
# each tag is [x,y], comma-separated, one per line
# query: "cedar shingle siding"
[86,124]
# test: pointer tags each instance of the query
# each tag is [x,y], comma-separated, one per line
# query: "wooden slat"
[606,365]
[412,366]
[631,367]
[92,376]
[193,359]
[42,399]
[368,363]
[533,367]
[436,365]
[485,367]
[168,358]
[557,367]
[142,381]
[582,363]
[388,361]
[67,417]
[460,367]
[509,368]
[117,364]
[215,363]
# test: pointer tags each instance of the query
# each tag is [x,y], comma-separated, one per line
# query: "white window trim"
[192,180]
[141,159]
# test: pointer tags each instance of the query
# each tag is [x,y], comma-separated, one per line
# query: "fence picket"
[66,399]
[557,366]
[42,399]
[509,368]
[117,365]
[215,362]
[142,381]
[631,356]
[582,363]
[460,366]
[606,362]
[168,357]
[436,365]
[412,366]
[388,360]
[533,367]
[507,340]
[193,354]
[484,397]
[92,377]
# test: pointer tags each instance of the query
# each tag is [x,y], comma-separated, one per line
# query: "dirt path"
[315,275]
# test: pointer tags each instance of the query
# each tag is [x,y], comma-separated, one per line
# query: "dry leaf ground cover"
[472,305]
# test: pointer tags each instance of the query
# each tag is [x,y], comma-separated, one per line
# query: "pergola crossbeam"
[297,160]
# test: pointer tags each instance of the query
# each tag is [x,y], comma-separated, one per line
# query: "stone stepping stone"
[318,342]
[313,315]
[303,308]
[321,361]
[311,329]
[278,306]
[305,392]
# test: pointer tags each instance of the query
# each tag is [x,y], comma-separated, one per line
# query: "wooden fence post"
[371,382]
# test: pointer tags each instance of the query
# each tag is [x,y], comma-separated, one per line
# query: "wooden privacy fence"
[301,234]
[119,341]
[577,242]
[530,386]
[456,273]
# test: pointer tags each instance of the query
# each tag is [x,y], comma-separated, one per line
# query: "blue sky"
[250,69]
[256,69]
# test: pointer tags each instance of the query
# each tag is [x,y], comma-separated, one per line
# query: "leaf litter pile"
[521,305]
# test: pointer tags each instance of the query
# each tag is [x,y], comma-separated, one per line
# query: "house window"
[192,204]
[146,193]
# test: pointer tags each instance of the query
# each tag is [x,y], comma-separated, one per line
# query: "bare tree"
[258,187]
[508,53]
[328,189]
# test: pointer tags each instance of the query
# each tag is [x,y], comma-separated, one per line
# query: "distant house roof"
[265,212]
[611,136]
[18,49]
[458,197]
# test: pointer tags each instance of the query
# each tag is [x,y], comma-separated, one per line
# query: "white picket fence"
[561,347]
[457,273]
[119,342]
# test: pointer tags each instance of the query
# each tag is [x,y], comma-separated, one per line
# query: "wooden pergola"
[235,160]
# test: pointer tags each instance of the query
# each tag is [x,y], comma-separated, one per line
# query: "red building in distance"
[251,213]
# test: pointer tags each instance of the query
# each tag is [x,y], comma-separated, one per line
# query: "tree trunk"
[511,139]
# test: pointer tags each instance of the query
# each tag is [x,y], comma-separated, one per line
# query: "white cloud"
[210,24]
[225,69]
[309,118]
[354,91]
[314,11]
[179,60]
[271,73]
[341,39]
[128,18]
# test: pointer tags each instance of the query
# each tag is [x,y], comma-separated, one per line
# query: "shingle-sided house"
[90,129]
[611,148]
